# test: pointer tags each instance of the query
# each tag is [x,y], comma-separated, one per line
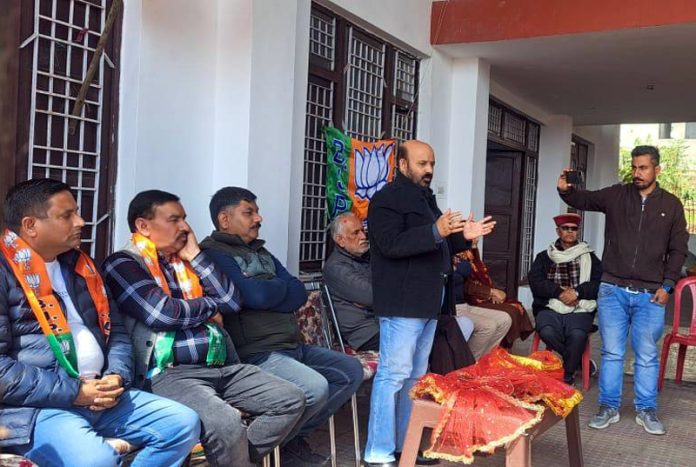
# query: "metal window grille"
[495,119]
[405,77]
[528,216]
[64,38]
[313,227]
[365,87]
[402,124]
[533,137]
[322,37]
[514,128]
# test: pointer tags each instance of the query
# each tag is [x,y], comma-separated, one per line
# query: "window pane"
[322,37]
[365,88]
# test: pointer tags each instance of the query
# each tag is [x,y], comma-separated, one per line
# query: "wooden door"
[501,251]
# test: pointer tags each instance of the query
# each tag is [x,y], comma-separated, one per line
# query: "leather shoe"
[420,460]
[380,464]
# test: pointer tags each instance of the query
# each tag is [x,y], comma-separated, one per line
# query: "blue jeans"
[164,430]
[328,379]
[619,312]
[404,349]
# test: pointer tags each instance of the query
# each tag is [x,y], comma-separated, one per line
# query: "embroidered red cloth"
[493,402]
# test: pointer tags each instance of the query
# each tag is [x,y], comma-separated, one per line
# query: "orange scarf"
[29,269]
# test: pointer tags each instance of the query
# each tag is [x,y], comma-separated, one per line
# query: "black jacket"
[544,289]
[645,245]
[408,264]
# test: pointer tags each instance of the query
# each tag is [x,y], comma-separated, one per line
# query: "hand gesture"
[99,394]
[497,296]
[474,229]
[563,185]
[661,297]
[191,249]
[569,297]
[216,318]
[450,222]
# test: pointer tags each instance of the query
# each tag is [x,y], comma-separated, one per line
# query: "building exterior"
[195,95]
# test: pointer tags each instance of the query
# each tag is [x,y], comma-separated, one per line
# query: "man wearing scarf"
[175,298]
[66,365]
[565,280]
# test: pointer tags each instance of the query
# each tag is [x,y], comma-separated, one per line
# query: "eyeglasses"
[569,228]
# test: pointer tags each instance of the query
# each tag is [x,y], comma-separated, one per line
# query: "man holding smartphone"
[645,247]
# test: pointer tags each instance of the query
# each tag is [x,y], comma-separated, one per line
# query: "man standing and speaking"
[412,247]
[645,247]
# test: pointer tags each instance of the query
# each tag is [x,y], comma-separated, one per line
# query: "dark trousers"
[222,396]
[565,334]
[371,344]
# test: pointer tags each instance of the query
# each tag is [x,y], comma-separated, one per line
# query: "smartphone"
[574,177]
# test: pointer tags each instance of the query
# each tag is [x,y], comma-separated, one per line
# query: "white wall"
[184,103]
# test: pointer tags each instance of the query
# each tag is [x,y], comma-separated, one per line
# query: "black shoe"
[380,464]
[297,452]
[420,460]
[569,378]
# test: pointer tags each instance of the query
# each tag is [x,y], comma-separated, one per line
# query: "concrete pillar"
[461,171]
[554,156]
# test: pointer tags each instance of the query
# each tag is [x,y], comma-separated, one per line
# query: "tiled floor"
[623,444]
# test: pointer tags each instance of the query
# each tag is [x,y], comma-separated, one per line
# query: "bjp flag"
[355,171]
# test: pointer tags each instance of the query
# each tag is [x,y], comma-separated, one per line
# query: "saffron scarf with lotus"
[29,268]
[191,288]
[489,404]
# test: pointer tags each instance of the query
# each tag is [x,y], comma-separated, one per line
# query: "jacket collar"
[361,259]
[236,240]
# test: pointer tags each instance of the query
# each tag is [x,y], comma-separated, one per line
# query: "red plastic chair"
[674,337]
[585,358]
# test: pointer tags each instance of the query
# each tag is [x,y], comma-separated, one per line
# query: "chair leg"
[572,423]
[535,342]
[356,428]
[519,452]
[332,437]
[664,358]
[414,432]
[267,460]
[276,457]
[681,355]
[586,365]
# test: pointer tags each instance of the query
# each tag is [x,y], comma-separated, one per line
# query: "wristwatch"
[667,288]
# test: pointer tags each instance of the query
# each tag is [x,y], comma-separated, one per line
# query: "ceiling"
[643,75]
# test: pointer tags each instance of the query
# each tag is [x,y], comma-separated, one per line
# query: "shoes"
[605,417]
[420,459]
[377,464]
[593,368]
[297,452]
[569,378]
[650,423]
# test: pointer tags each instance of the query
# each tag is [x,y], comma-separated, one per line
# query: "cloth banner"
[355,171]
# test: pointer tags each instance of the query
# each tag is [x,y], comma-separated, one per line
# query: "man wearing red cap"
[565,280]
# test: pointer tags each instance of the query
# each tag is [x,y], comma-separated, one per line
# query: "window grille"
[495,119]
[313,227]
[514,128]
[365,87]
[322,38]
[533,137]
[528,216]
[64,38]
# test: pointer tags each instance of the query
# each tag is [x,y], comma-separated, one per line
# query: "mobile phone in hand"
[574,177]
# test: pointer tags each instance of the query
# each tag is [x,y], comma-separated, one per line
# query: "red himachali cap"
[570,218]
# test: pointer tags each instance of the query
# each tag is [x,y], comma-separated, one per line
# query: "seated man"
[473,285]
[175,297]
[348,276]
[565,280]
[65,358]
[265,331]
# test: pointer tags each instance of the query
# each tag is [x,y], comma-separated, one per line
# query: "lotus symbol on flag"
[371,169]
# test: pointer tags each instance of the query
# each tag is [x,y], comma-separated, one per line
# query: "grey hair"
[336,225]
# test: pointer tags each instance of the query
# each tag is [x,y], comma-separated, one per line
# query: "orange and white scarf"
[29,269]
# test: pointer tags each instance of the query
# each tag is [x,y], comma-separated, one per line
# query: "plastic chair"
[674,337]
[586,354]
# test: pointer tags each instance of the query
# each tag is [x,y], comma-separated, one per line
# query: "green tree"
[674,175]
